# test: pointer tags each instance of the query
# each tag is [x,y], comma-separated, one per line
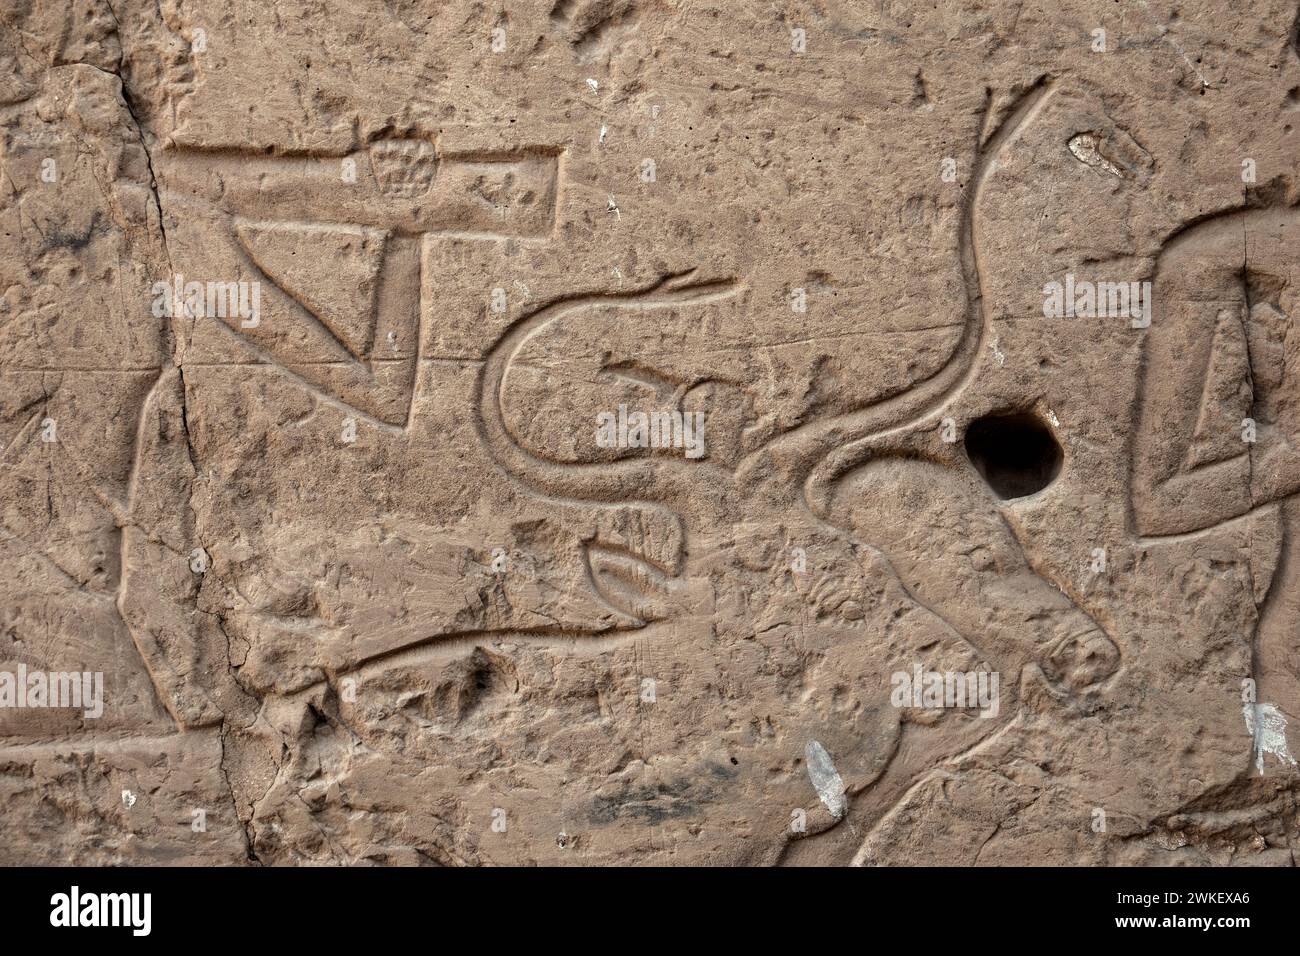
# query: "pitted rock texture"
[613,431]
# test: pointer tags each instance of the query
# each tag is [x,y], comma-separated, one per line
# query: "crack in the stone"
[170,342]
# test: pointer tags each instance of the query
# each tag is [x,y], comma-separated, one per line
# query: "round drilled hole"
[1016,453]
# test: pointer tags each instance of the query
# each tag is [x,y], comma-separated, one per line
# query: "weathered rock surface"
[324,331]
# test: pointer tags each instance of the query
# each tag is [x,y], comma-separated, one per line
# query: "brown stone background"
[459,617]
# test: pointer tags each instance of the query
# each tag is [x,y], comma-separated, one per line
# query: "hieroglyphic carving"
[1218,425]
[1217,354]
[821,466]
[303,223]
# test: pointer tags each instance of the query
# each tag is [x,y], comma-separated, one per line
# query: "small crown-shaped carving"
[405,168]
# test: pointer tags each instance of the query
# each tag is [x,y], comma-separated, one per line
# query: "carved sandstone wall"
[641,431]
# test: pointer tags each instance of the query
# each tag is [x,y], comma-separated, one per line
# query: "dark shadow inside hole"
[1016,453]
